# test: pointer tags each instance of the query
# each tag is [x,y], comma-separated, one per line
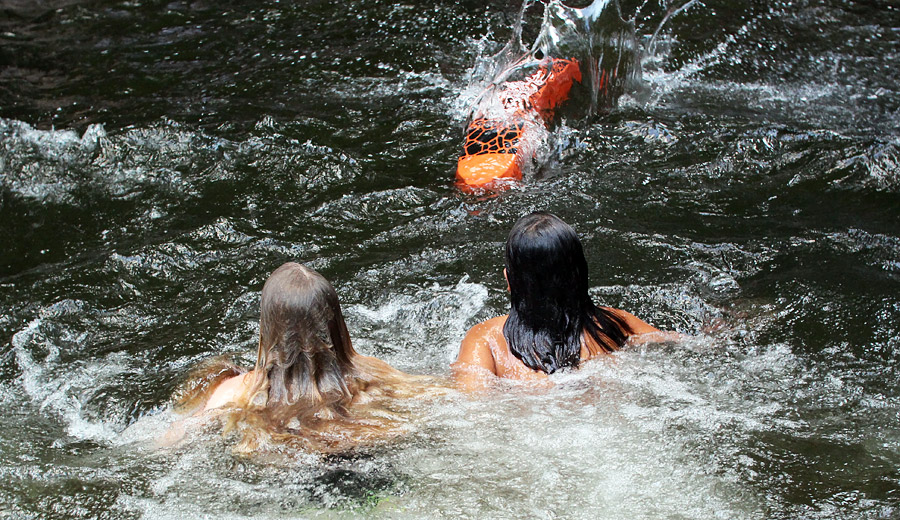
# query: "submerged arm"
[217,396]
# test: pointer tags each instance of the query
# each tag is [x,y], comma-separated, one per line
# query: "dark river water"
[158,159]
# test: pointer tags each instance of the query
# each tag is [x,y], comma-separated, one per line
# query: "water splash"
[581,63]
[57,384]
[436,315]
[741,191]
[597,36]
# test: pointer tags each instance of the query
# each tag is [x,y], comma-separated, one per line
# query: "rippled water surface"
[158,159]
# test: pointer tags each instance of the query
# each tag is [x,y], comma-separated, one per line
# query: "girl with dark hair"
[309,387]
[552,322]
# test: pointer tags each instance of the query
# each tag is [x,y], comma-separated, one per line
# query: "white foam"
[61,389]
[430,322]
[880,164]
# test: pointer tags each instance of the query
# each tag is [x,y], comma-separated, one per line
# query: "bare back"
[484,353]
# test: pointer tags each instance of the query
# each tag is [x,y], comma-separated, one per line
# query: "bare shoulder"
[480,335]
[227,392]
[475,350]
[486,327]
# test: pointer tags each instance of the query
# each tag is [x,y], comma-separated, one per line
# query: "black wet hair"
[550,308]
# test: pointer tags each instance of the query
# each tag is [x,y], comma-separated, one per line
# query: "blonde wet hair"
[309,387]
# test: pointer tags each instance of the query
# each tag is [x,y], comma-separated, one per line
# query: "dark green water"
[159,159]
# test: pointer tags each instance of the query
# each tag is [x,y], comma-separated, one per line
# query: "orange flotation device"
[492,147]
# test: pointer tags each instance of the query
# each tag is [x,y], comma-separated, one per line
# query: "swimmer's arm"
[224,393]
[474,367]
[643,332]
[174,435]
[178,430]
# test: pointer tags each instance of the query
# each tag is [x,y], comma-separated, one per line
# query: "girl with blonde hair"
[309,387]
